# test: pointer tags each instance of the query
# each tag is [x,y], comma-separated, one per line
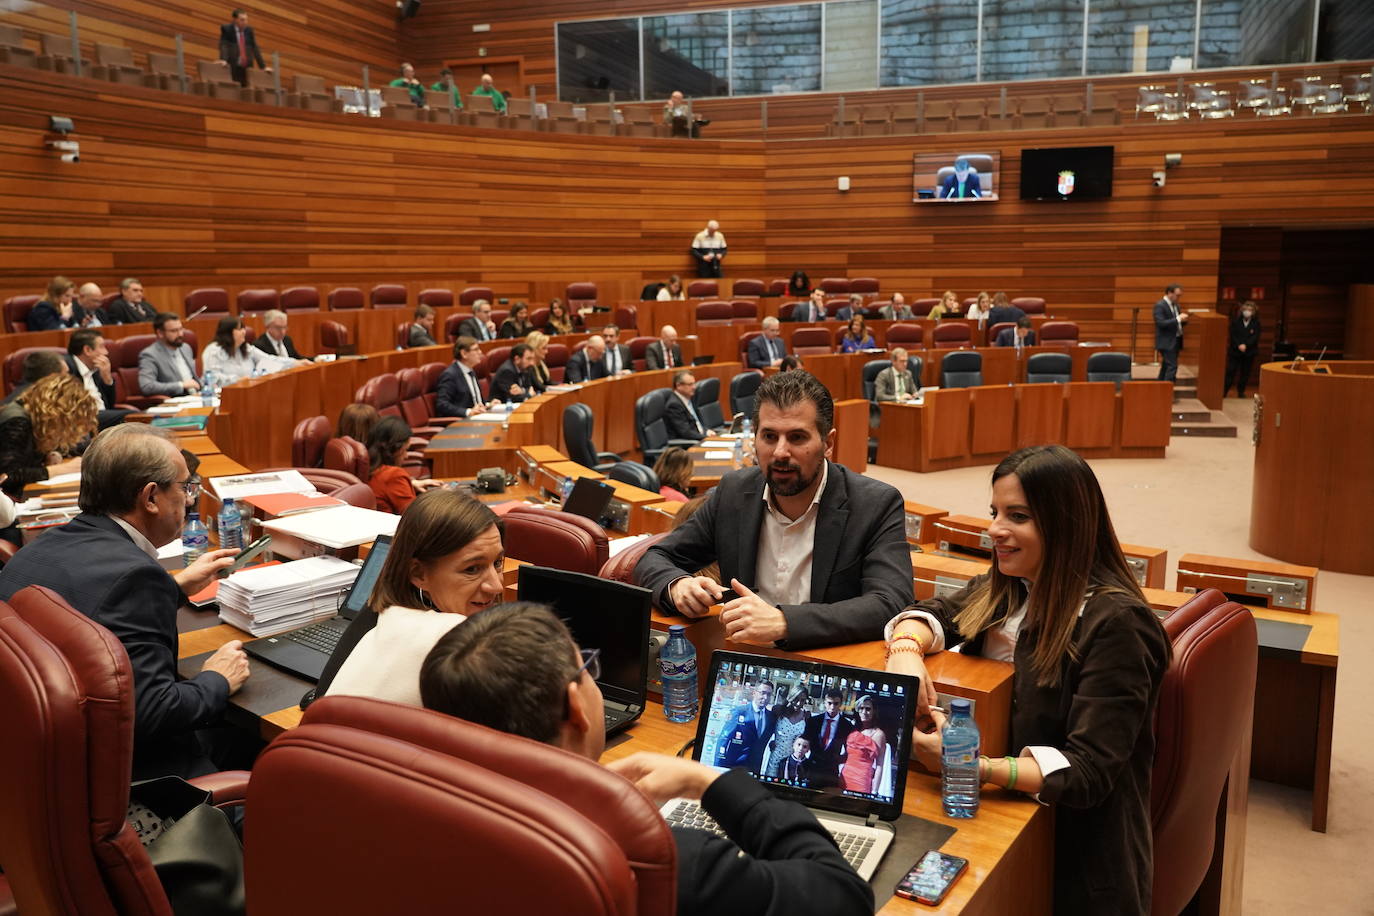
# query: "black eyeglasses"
[591,663]
[191,485]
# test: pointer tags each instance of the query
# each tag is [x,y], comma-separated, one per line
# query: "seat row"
[964,369]
[945,335]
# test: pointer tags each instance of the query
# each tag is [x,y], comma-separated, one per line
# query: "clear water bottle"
[739,453]
[747,443]
[678,661]
[959,782]
[207,390]
[230,525]
[565,489]
[195,540]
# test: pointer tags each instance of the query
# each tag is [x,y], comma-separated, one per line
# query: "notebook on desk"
[851,781]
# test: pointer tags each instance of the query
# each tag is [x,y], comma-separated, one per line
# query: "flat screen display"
[953,178]
[1067,173]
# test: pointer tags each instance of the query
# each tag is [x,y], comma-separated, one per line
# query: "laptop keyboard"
[853,846]
[322,637]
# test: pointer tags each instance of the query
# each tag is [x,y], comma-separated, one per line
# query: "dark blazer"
[506,376]
[843,313]
[1101,716]
[679,420]
[803,312]
[107,392]
[419,337]
[1000,313]
[626,361]
[229,46]
[453,397]
[826,761]
[122,311]
[781,860]
[473,328]
[860,574]
[757,353]
[1242,333]
[124,590]
[741,744]
[654,356]
[44,316]
[1168,332]
[581,368]
[798,771]
[1007,338]
[511,330]
[264,343]
[950,187]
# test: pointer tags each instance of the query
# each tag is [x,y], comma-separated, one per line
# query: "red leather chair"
[402,339]
[215,301]
[64,787]
[587,840]
[1204,713]
[436,298]
[307,441]
[777,287]
[786,309]
[549,537]
[124,364]
[539,317]
[1031,305]
[715,312]
[472,293]
[835,286]
[637,347]
[345,298]
[905,335]
[429,385]
[106,299]
[382,392]
[300,299]
[745,310]
[950,335]
[621,567]
[389,296]
[864,286]
[14,363]
[498,316]
[837,302]
[626,318]
[257,300]
[556,359]
[809,341]
[998,328]
[581,295]
[335,338]
[702,289]
[749,288]
[744,344]
[495,357]
[414,410]
[874,308]
[17,310]
[451,324]
[344,453]
[338,484]
[1062,334]
[921,307]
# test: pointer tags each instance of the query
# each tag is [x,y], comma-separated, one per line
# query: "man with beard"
[815,554]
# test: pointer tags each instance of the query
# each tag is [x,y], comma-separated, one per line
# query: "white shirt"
[666,295]
[703,240]
[385,665]
[786,549]
[473,388]
[88,381]
[141,542]
[230,368]
[612,358]
[278,346]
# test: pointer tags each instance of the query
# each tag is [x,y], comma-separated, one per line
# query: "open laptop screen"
[829,736]
[361,592]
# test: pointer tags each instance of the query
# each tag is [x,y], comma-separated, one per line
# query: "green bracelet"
[1011,776]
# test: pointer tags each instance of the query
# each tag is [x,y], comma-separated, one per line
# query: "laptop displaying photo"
[606,615]
[834,738]
[589,498]
[304,651]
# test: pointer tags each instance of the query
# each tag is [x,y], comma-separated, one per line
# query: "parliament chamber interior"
[498,236]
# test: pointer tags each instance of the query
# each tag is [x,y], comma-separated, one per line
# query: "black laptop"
[704,360]
[606,615]
[589,498]
[304,651]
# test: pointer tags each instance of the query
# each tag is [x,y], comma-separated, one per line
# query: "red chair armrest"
[226,788]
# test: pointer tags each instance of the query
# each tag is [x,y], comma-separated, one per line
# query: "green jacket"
[417,90]
[457,93]
[498,101]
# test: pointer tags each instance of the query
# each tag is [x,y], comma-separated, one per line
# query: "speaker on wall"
[409,8]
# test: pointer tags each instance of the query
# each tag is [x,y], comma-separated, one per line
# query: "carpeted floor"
[1197,500]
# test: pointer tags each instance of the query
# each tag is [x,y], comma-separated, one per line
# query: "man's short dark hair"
[237,13]
[833,694]
[680,375]
[423,311]
[162,318]
[79,341]
[1023,322]
[1171,287]
[789,362]
[519,350]
[787,389]
[507,668]
[611,328]
[40,363]
[463,342]
[119,463]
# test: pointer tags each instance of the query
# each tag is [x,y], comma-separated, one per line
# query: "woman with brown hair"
[40,427]
[392,484]
[356,421]
[674,470]
[444,565]
[517,324]
[1063,607]
[230,358]
[856,337]
[560,321]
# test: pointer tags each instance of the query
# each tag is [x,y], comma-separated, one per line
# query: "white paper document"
[719,455]
[271,599]
[245,485]
[337,527]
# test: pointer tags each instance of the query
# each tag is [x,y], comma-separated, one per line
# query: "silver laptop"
[853,779]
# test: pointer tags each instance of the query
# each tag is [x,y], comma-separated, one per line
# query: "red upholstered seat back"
[495,357]
[389,296]
[581,835]
[307,442]
[998,328]
[334,336]
[637,347]
[835,286]
[626,318]
[300,299]
[402,334]
[744,343]
[777,287]
[921,307]
[344,453]
[213,300]
[787,308]
[1031,305]
[949,335]
[548,537]
[124,363]
[14,363]
[811,340]
[1204,713]
[429,385]
[436,298]
[556,359]
[382,392]
[413,409]
[701,289]
[621,567]
[864,286]
[902,334]
[745,309]
[715,311]
[749,288]
[64,782]
[580,295]
[472,293]
[345,298]
[17,310]
[1059,334]
[257,300]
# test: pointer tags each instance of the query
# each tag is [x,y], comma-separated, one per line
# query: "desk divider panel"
[993,421]
[1090,415]
[1039,414]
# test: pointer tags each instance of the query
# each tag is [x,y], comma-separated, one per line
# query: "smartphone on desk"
[930,878]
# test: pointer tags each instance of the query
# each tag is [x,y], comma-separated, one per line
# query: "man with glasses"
[274,340]
[516,668]
[680,416]
[167,365]
[135,489]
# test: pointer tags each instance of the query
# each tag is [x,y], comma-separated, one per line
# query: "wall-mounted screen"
[954,177]
[1067,173]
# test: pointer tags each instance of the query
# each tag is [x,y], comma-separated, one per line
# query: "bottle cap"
[677,629]
[961,705]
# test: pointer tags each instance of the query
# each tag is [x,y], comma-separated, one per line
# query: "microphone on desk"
[197,312]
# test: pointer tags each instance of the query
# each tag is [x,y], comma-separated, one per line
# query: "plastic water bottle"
[746,443]
[195,540]
[230,525]
[739,452]
[959,782]
[678,661]
[207,390]
[565,489]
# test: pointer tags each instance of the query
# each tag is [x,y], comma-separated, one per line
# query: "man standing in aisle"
[1169,322]
[709,249]
[238,48]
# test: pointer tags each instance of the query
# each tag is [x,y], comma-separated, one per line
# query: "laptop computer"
[304,651]
[589,498]
[853,781]
[704,359]
[606,615]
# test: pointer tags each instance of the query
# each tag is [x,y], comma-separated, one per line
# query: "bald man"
[88,297]
[709,249]
[587,364]
[664,353]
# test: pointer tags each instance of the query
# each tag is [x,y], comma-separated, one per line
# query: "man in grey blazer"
[895,383]
[896,310]
[816,553]
[167,366]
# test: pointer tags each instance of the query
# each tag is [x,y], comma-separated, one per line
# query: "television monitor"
[1067,173]
[958,177]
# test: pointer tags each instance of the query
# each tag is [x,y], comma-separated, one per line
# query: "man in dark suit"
[745,734]
[459,393]
[816,553]
[617,359]
[767,349]
[37,364]
[135,488]
[962,183]
[238,48]
[587,364]
[512,381]
[1000,314]
[274,341]
[679,413]
[499,669]
[89,360]
[1242,345]
[130,307]
[811,310]
[94,314]
[479,325]
[796,767]
[1018,337]
[1169,322]
[827,732]
[664,353]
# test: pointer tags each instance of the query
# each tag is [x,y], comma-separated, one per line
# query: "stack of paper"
[245,485]
[338,527]
[265,600]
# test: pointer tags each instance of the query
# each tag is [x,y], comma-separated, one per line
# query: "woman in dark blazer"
[1241,348]
[518,323]
[1061,604]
